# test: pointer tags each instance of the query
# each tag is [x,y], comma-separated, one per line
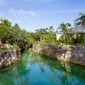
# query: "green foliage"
[3,48]
[68,39]
[34,36]
[21,38]
[47,39]
[10,47]
[5,27]
[41,32]
[61,39]
[64,27]
[21,45]
[80,39]
[51,28]
[13,34]
[16,47]
[80,21]
[1,45]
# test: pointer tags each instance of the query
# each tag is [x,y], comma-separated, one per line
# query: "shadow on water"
[35,69]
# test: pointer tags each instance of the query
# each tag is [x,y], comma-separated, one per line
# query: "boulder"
[6,58]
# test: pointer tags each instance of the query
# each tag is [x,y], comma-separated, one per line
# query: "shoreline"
[71,54]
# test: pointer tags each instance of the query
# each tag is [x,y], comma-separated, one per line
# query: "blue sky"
[35,14]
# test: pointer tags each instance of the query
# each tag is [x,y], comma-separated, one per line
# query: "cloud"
[23,13]
[1,14]
[12,20]
[67,11]
[32,13]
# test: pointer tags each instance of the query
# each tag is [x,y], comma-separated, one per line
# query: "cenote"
[35,69]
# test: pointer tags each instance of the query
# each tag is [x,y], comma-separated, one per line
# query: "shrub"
[1,45]
[80,39]
[61,39]
[3,48]
[16,47]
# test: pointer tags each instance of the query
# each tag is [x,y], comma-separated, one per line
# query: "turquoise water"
[35,69]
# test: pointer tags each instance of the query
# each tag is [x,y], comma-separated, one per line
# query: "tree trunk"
[40,38]
[64,36]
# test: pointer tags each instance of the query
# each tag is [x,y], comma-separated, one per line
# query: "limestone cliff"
[7,57]
[70,53]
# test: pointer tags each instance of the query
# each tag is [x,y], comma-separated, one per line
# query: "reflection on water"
[35,69]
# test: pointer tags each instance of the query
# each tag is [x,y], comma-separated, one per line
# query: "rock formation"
[7,57]
[70,53]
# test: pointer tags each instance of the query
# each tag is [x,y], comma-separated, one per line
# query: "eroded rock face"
[8,57]
[70,53]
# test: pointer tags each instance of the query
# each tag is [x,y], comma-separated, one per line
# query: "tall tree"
[16,26]
[5,27]
[16,33]
[5,22]
[41,31]
[51,29]
[64,27]
[80,20]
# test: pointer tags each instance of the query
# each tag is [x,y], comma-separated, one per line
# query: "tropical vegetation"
[81,20]
[21,39]
[64,27]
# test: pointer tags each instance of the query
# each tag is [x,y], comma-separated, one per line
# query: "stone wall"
[70,53]
[8,57]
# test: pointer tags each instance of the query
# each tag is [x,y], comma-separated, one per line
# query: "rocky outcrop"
[7,57]
[70,53]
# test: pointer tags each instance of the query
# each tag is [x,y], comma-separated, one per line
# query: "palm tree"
[41,31]
[80,20]
[64,27]
[51,29]
[5,22]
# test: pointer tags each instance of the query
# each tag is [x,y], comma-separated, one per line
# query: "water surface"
[35,69]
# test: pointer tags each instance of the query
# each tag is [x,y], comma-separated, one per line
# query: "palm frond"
[78,23]
[36,30]
[84,13]
[77,19]
[59,28]
[82,17]
[68,24]
[80,14]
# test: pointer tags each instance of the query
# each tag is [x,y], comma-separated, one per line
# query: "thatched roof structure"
[79,29]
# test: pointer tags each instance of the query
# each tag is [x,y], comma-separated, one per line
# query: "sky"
[36,14]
